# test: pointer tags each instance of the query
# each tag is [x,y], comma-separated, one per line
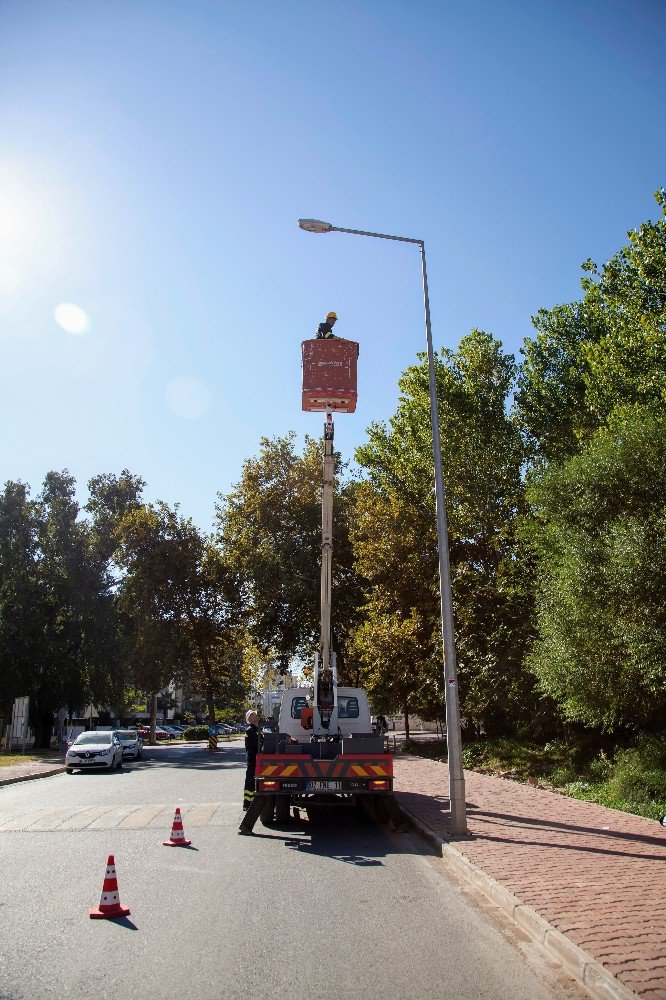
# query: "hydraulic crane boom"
[325,675]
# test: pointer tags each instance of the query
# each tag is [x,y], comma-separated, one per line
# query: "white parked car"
[94,749]
[131,743]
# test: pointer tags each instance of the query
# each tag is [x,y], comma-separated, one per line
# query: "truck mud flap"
[382,808]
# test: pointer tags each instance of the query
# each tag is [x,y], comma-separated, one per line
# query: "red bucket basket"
[329,375]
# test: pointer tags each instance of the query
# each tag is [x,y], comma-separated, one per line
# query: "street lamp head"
[315,226]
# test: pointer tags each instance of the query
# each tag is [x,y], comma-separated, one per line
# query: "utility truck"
[324,750]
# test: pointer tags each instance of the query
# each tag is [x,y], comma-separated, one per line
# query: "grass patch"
[7,759]
[630,778]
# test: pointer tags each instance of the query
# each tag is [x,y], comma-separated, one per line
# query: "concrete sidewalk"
[50,762]
[588,882]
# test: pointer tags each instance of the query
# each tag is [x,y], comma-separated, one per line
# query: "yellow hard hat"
[331,315]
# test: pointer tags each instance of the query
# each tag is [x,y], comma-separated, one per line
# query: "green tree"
[598,529]
[56,610]
[551,400]
[112,498]
[21,607]
[269,526]
[482,456]
[626,366]
[180,598]
[395,643]
[604,352]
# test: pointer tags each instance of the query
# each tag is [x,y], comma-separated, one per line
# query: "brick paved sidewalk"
[595,874]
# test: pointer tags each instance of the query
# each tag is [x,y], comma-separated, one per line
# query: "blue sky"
[155,158]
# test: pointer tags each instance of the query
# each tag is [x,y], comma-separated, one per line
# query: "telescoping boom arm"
[325,674]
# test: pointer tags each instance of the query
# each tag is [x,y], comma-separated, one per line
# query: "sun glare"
[71,318]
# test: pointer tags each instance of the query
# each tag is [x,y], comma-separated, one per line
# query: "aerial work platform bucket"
[329,375]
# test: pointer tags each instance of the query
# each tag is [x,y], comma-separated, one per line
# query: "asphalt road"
[328,910]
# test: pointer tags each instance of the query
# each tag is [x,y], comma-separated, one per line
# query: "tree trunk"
[43,724]
[406,711]
[153,718]
[210,699]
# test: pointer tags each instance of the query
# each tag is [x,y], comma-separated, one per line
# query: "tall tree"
[270,528]
[482,455]
[57,610]
[598,528]
[180,598]
[21,606]
[395,643]
[591,403]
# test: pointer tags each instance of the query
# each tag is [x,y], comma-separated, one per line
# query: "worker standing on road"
[325,329]
[251,749]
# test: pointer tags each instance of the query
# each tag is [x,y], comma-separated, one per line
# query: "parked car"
[172,731]
[94,749]
[131,743]
[160,734]
[224,730]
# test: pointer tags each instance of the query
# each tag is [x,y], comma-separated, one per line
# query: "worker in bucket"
[325,329]
[251,750]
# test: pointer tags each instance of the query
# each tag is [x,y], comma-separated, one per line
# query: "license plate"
[323,786]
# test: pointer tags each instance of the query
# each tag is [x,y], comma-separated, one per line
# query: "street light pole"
[453,736]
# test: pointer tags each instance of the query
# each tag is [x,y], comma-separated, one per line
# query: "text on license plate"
[323,786]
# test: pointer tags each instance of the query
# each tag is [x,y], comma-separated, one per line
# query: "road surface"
[332,910]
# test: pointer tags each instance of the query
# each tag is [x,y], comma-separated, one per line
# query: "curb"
[597,980]
[31,777]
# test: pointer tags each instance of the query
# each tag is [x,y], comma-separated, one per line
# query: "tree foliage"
[56,610]
[269,527]
[605,352]
[598,527]
[180,599]
[395,540]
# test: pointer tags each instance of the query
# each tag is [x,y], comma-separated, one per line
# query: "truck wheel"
[281,808]
[266,814]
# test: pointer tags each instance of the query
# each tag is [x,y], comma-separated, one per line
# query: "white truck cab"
[351,714]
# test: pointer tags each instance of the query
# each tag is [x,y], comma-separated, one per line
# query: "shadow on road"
[125,922]
[341,834]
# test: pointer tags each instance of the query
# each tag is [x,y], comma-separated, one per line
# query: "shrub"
[639,774]
[196,733]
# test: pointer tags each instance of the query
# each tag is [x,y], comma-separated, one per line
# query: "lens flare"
[71,318]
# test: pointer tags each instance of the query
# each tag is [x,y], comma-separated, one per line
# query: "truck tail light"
[377,786]
[268,786]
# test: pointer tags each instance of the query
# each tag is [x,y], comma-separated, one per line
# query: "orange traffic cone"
[177,838]
[109,905]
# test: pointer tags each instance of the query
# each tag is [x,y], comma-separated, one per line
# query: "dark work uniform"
[251,749]
[325,332]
